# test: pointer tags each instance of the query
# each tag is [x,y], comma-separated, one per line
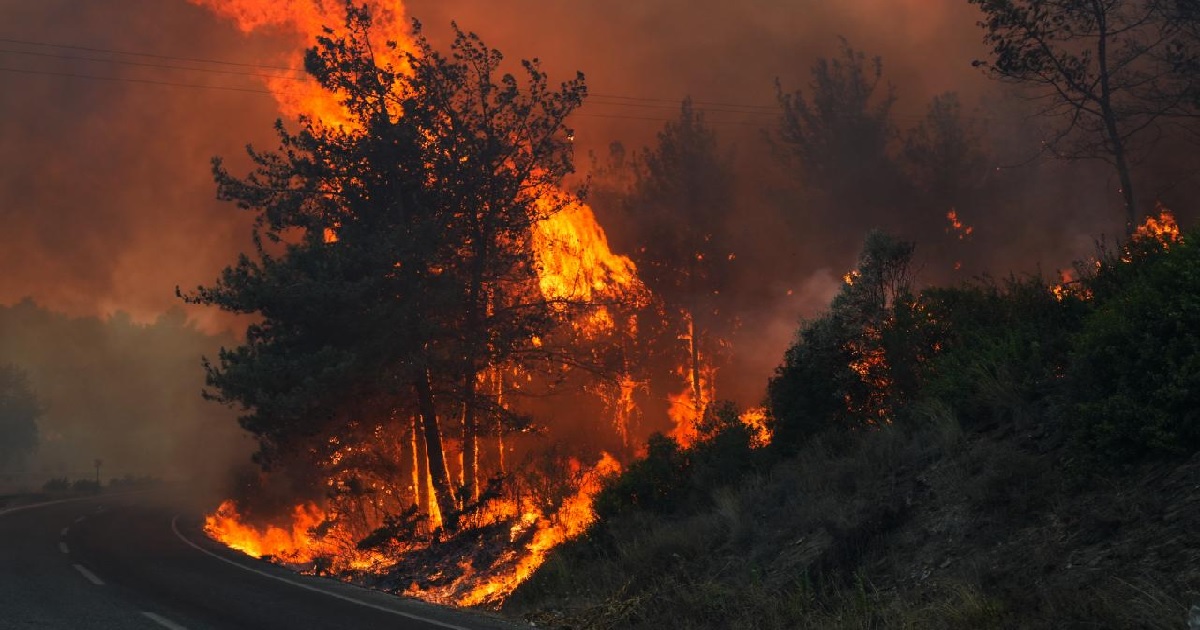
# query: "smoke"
[108,199]
[121,392]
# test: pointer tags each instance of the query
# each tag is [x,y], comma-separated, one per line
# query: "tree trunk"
[1111,129]
[438,473]
[500,420]
[476,341]
[697,390]
[470,447]
[420,468]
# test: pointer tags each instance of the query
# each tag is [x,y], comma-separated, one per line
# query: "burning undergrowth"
[498,544]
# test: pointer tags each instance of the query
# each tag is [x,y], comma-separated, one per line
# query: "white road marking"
[64,531]
[163,621]
[91,577]
[62,546]
[38,505]
[308,587]
[80,519]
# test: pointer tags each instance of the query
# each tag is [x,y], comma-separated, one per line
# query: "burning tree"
[416,258]
[681,196]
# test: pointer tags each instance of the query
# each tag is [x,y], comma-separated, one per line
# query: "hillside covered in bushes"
[1005,453]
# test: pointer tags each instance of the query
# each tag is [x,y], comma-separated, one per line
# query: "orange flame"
[296,92]
[293,543]
[1162,228]
[756,419]
[572,519]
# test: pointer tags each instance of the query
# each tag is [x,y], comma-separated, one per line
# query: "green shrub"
[1003,348]
[672,480]
[1134,376]
[857,365]
[653,484]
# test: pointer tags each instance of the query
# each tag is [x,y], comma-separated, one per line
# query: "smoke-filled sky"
[112,109]
[105,190]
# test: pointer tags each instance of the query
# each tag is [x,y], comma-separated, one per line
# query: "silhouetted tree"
[1098,69]
[682,199]
[943,156]
[839,130]
[855,365]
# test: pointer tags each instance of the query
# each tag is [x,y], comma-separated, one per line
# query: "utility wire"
[92,77]
[663,102]
[142,64]
[131,53]
[133,80]
[611,100]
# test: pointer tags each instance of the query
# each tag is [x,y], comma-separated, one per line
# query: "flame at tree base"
[312,541]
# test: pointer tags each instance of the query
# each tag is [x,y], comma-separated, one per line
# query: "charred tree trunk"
[470,452]
[420,468]
[438,473]
[499,378]
[477,305]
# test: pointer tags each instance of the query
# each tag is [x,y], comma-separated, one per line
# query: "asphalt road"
[140,561]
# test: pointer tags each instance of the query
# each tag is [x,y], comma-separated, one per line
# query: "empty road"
[138,561]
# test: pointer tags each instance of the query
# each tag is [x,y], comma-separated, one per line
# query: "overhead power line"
[625,100]
[91,77]
[261,71]
[131,53]
[142,64]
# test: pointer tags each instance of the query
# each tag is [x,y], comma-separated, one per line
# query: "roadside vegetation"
[1003,453]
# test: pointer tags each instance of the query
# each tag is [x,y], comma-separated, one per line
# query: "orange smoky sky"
[111,110]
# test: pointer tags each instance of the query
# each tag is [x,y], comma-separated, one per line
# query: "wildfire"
[571,520]
[756,419]
[297,542]
[296,92]
[1161,228]
[575,265]
[294,543]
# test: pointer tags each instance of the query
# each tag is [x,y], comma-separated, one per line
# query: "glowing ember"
[957,227]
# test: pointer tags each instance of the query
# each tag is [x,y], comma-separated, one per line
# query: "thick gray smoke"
[125,393]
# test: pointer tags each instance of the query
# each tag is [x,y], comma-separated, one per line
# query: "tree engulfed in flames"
[574,264]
